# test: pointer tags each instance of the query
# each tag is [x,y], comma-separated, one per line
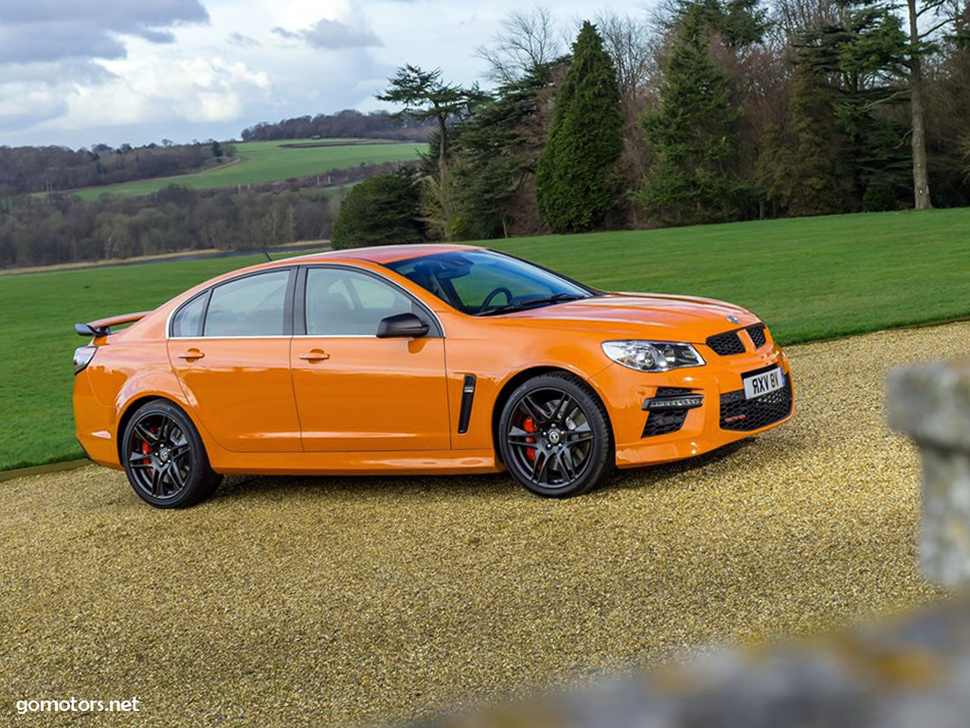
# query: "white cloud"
[332,35]
[194,89]
[225,68]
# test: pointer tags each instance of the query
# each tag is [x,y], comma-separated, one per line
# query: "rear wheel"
[554,436]
[165,459]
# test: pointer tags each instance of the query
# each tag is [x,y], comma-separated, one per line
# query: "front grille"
[744,415]
[667,421]
[757,334]
[726,344]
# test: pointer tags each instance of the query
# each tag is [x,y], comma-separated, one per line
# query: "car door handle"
[192,355]
[315,355]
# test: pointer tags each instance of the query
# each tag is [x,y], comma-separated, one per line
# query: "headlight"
[652,356]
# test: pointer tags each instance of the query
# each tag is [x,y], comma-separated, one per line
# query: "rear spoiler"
[102,327]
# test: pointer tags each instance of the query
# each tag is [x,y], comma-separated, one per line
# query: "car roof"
[378,254]
[384,253]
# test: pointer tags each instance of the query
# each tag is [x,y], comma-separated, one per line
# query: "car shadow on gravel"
[430,487]
[436,487]
[671,475]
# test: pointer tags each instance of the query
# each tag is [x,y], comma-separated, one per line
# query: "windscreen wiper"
[525,305]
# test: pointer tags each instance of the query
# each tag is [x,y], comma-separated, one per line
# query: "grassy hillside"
[261,162]
[809,278]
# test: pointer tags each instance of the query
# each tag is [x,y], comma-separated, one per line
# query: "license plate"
[764,383]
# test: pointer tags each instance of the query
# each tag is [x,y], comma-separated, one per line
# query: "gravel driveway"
[349,601]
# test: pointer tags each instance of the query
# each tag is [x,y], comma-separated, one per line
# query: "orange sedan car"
[416,359]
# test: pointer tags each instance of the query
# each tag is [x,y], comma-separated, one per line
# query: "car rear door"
[354,391]
[230,348]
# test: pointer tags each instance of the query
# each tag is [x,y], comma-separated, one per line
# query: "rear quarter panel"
[129,366]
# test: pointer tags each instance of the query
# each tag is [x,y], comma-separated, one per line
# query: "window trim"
[288,297]
[435,330]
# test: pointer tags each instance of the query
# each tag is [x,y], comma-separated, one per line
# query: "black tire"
[567,447]
[165,459]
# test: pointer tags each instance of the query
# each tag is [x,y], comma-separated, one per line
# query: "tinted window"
[344,303]
[188,321]
[250,306]
[482,282]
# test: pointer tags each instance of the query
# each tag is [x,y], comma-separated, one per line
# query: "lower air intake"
[744,415]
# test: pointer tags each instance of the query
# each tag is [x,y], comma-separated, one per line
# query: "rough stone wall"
[911,673]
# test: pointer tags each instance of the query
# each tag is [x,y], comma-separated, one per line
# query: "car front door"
[230,348]
[354,391]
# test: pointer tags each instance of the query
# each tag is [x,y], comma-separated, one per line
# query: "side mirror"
[400,326]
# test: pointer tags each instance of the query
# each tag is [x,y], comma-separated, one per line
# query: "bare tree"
[528,39]
[631,44]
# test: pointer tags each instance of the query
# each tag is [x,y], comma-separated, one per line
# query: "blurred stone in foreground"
[931,404]
[913,673]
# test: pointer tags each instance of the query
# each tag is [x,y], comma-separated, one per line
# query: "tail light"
[83,356]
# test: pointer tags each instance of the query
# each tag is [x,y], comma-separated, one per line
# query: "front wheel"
[554,436]
[165,459]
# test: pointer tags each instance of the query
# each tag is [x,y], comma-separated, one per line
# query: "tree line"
[60,228]
[344,124]
[709,111]
[25,170]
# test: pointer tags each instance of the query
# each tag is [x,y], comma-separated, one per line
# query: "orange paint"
[299,404]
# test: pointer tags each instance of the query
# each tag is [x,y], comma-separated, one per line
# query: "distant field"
[262,162]
[809,279]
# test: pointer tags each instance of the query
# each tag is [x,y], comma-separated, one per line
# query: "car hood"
[659,316]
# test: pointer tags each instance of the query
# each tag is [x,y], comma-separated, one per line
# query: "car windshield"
[486,283]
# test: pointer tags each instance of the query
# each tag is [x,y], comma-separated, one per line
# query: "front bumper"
[646,434]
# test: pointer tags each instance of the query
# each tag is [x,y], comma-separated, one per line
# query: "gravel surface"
[357,601]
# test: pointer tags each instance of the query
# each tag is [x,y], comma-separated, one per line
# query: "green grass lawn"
[809,279]
[261,162]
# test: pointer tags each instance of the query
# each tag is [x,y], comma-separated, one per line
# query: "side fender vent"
[467,397]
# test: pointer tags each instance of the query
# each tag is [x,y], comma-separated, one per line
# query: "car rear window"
[188,321]
[250,306]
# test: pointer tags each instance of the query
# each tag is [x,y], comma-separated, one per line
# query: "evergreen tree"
[693,133]
[497,152]
[861,56]
[575,175]
[739,23]
[801,168]
[425,96]
[382,210]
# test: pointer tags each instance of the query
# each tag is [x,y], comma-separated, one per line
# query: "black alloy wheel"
[554,436]
[165,459]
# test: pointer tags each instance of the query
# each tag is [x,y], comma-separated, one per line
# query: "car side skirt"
[439,462]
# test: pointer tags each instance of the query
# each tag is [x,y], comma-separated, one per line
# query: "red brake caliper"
[530,426]
[146,449]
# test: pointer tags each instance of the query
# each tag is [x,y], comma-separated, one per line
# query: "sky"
[81,72]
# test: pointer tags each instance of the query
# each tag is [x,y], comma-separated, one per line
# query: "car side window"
[188,321]
[341,302]
[249,306]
